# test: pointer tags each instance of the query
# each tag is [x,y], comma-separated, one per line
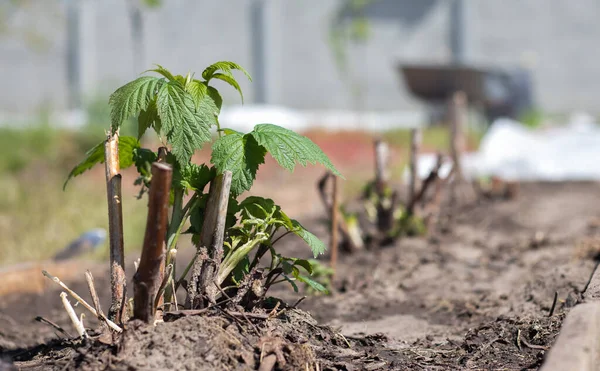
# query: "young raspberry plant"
[182,111]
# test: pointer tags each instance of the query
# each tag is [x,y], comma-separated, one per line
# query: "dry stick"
[118,279]
[73,316]
[433,175]
[53,325]
[458,119]
[90,282]
[60,283]
[213,234]
[457,110]
[415,144]
[147,279]
[169,291]
[353,244]
[334,225]
[381,164]
[553,304]
[385,214]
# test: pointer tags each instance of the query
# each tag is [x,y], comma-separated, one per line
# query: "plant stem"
[148,277]
[232,260]
[218,126]
[334,224]
[280,237]
[415,143]
[118,279]
[187,269]
[177,218]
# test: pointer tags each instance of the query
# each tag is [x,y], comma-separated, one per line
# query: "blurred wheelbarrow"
[499,93]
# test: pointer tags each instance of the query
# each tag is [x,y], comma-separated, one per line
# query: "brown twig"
[115,226]
[381,165]
[298,302]
[147,279]
[348,243]
[75,296]
[415,144]
[53,325]
[334,225]
[551,313]
[433,175]
[458,118]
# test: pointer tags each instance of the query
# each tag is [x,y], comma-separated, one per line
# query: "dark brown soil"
[477,296]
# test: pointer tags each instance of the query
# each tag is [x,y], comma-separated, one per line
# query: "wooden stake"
[349,241]
[461,191]
[458,120]
[385,210]
[334,224]
[381,165]
[204,273]
[415,144]
[118,279]
[148,277]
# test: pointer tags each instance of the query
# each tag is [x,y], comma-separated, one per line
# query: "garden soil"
[475,294]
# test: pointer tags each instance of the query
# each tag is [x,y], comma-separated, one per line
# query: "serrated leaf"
[241,155]
[288,147]
[148,118]
[185,128]
[304,264]
[231,81]
[131,98]
[216,97]
[194,177]
[258,206]
[143,159]
[316,245]
[241,270]
[163,71]
[312,283]
[226,67]
[127,146]
[294,286]
[206,99]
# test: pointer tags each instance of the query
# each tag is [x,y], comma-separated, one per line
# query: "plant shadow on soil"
[476,296]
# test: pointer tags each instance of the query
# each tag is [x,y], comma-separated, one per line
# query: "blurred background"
[340,71]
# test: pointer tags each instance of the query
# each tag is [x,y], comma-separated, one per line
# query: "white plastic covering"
[513,152]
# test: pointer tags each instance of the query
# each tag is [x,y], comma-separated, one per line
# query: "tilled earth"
[475,295]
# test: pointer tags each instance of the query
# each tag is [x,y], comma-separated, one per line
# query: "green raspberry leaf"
[258,207]
[143,159]
[148,118]
[127,147]
[186,128]
[206,98]
[226,67]
[312,283]
[131,98]
[231,81]
[194,177]
[163,71]
[241,155]
[316,245]
[304,264]
[288,147]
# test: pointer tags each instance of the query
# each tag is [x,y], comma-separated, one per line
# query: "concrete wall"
[559,37]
